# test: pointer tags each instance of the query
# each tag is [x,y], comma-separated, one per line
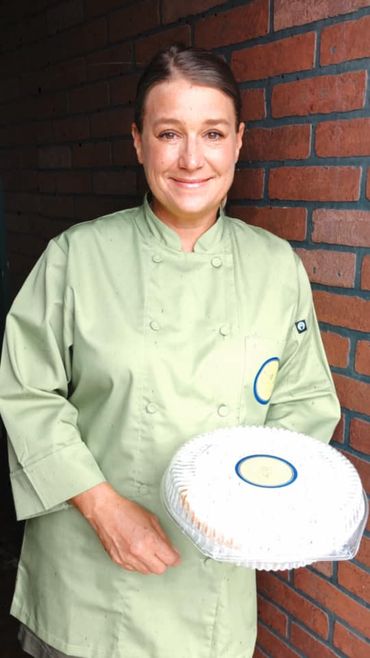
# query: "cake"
[265,498]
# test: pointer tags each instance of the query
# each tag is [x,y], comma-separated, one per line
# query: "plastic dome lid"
[265,498]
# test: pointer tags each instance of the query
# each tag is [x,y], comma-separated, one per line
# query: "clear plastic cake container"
[265,498]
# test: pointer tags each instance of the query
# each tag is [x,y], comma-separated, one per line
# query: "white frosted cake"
[265,498]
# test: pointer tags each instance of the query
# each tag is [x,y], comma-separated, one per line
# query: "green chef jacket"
[120,347]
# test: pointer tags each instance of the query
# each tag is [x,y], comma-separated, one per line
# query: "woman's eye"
[214,135]
[167,135]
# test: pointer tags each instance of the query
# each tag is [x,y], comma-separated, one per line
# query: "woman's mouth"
[190,183]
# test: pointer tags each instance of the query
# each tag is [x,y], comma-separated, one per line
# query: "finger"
[168,551]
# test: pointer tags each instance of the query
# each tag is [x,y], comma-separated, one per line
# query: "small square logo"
[301,326]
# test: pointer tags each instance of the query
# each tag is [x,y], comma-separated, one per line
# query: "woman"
[133,333]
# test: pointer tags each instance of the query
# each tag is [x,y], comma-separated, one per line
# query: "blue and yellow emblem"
[265,379]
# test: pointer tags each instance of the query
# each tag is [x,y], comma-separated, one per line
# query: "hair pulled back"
[202,67]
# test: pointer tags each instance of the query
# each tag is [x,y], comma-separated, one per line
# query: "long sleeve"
[49,461]
[304,398]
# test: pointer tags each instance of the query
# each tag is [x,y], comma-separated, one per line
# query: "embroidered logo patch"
[301,326]
[265,379]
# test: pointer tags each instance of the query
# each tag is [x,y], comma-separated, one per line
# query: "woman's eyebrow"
[207,122]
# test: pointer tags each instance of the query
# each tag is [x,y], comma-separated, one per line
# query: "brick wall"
[68,77]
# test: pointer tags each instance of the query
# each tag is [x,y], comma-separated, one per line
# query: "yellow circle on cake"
[266,471]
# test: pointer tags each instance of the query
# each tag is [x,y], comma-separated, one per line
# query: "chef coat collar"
[207,242]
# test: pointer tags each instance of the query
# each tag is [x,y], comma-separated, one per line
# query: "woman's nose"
[191,154]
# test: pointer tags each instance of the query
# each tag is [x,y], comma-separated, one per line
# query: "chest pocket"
[262,359]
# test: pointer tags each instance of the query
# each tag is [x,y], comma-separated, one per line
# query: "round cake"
[265,498]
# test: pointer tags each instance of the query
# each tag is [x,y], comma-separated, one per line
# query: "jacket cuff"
[46,486]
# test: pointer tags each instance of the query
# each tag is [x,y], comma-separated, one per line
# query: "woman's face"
[188,146]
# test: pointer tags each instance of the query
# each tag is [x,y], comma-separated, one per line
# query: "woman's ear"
[136,136]
[239,139]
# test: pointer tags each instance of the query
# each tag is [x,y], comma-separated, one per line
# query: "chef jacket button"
[154,325]
[143,489]
[157,258]
[151,408]
[216,261]
[224,330]
[223,410]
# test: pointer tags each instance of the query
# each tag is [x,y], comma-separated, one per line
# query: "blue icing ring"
[269,385]
[292,472]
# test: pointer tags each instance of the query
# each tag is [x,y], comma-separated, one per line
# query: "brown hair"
[200,66]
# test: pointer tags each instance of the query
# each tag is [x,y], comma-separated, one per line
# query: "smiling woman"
[133,333]
[188,153]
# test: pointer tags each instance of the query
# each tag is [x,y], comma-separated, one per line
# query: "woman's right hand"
[130,534]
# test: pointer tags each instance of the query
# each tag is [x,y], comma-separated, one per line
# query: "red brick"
[253,104]
[239,24]
[273,645]
[113,182]
[172,11]
[71,182]
[47,181]
[323,567]
[295,604]
[360,439]
[96,7]
[306,643]
[80,40]
[345,41]
[56,76]
[320,95]
[147,47]
[110,62]
[56,206]
[28,245]
[287,223]
[363,554]
[343,310]
[123,89]
[91,206]
[89,97]
[315,183]
[362,362]
[353,394]
[300,12]
[333,599]
[337,348]
[71,129]
[365,273]
[90,154]
[133,20]
[295,53]
[64,15]
[349,227]
[343,138]
[248,184]
[124,152]
[356,580]
[362,467]
[272,616]
[309,645]
[282,143]
[333,268]
[348,643]
[111,122]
